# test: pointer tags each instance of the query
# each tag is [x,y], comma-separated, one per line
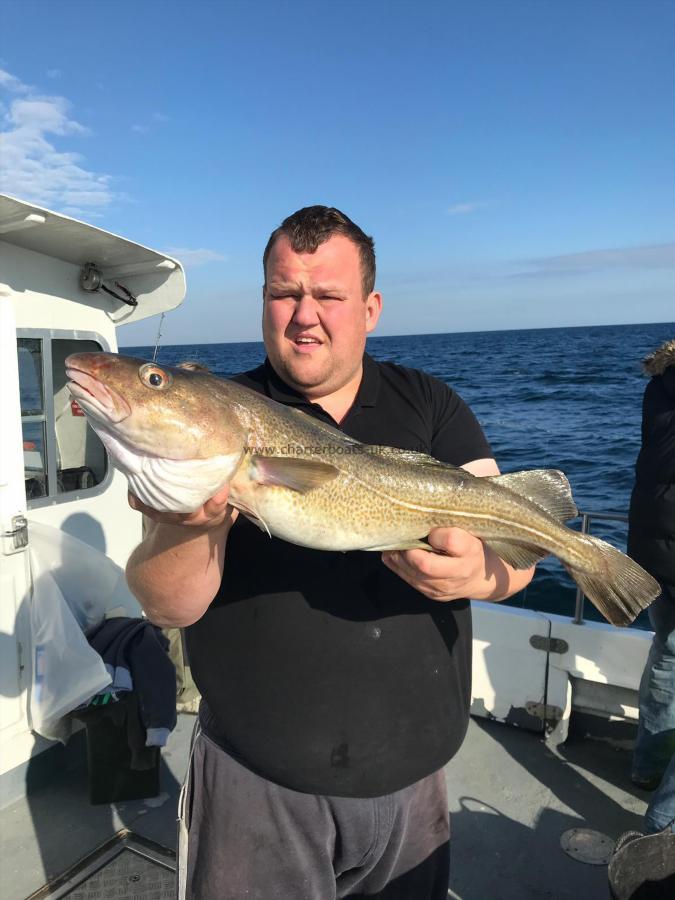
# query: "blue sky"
[514,160]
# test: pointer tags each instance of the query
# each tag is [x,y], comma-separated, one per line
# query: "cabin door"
[14,565]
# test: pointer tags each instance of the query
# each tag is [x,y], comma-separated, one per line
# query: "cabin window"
[33,417]
[62,454]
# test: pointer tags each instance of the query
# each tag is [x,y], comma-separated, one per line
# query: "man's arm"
[464,566]
[175,572]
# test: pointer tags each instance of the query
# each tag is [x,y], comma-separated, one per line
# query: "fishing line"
[159,334]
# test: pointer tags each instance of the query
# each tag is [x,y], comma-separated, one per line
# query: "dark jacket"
[651,526]
[135,654]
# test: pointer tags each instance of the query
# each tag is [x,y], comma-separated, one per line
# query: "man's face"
[315,317]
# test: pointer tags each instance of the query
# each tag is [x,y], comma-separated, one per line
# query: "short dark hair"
[311,226]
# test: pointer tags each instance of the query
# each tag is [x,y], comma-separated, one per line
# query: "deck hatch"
[127,866]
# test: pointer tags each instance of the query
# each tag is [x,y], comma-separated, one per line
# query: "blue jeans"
[661,810]
[655,743]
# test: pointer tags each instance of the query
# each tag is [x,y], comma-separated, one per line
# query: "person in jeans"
[651,542]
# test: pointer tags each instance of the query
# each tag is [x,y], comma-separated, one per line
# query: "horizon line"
[375,337]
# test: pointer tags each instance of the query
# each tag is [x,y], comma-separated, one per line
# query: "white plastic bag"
[91,583]
[75,587]
[66,671]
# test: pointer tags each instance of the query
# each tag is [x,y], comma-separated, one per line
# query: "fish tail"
[617,585]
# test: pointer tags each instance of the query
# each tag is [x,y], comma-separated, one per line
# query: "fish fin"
[301,475]
[520,556]
[548,488]
[404,545]
[410,456]
[621,589]
[256,520]
[251,514]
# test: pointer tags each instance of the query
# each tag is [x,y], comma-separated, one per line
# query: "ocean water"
[563,398]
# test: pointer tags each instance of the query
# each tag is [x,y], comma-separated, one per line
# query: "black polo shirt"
[325,672]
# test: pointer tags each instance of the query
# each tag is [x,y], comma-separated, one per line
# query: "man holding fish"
[335,685]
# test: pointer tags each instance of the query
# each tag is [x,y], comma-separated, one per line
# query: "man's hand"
[462,567]
[212,514]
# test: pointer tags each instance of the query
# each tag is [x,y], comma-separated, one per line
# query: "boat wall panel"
[605,699]
[14,569]
[106,521]
[509,674]
[46,294]
[14,646]
[600,652]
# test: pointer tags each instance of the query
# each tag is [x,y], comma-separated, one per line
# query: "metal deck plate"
[587,846]
[128,866]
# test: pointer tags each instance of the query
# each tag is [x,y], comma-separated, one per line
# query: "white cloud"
[11,83]
[54,73]
[36,115]
[32,168]
[157,118]
[193,258]
[652,256]
[460,209]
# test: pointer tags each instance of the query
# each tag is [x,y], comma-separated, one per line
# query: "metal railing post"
[581,599]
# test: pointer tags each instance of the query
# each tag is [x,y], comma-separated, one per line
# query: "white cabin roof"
[157,280]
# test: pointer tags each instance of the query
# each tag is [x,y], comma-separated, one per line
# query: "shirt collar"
[366,396]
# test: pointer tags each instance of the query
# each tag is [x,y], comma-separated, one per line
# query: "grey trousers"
[242,837]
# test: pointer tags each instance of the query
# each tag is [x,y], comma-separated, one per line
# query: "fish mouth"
[95,398]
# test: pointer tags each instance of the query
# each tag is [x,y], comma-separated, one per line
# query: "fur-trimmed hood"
[657,362]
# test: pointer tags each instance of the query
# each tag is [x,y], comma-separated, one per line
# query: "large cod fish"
[179,436]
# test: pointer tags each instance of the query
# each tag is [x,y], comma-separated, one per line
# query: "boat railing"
[586,519]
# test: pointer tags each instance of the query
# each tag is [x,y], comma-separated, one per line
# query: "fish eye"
[154,377]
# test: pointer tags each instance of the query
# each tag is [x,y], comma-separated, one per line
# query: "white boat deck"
[510,797]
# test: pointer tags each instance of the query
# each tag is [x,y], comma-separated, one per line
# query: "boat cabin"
[65,287]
